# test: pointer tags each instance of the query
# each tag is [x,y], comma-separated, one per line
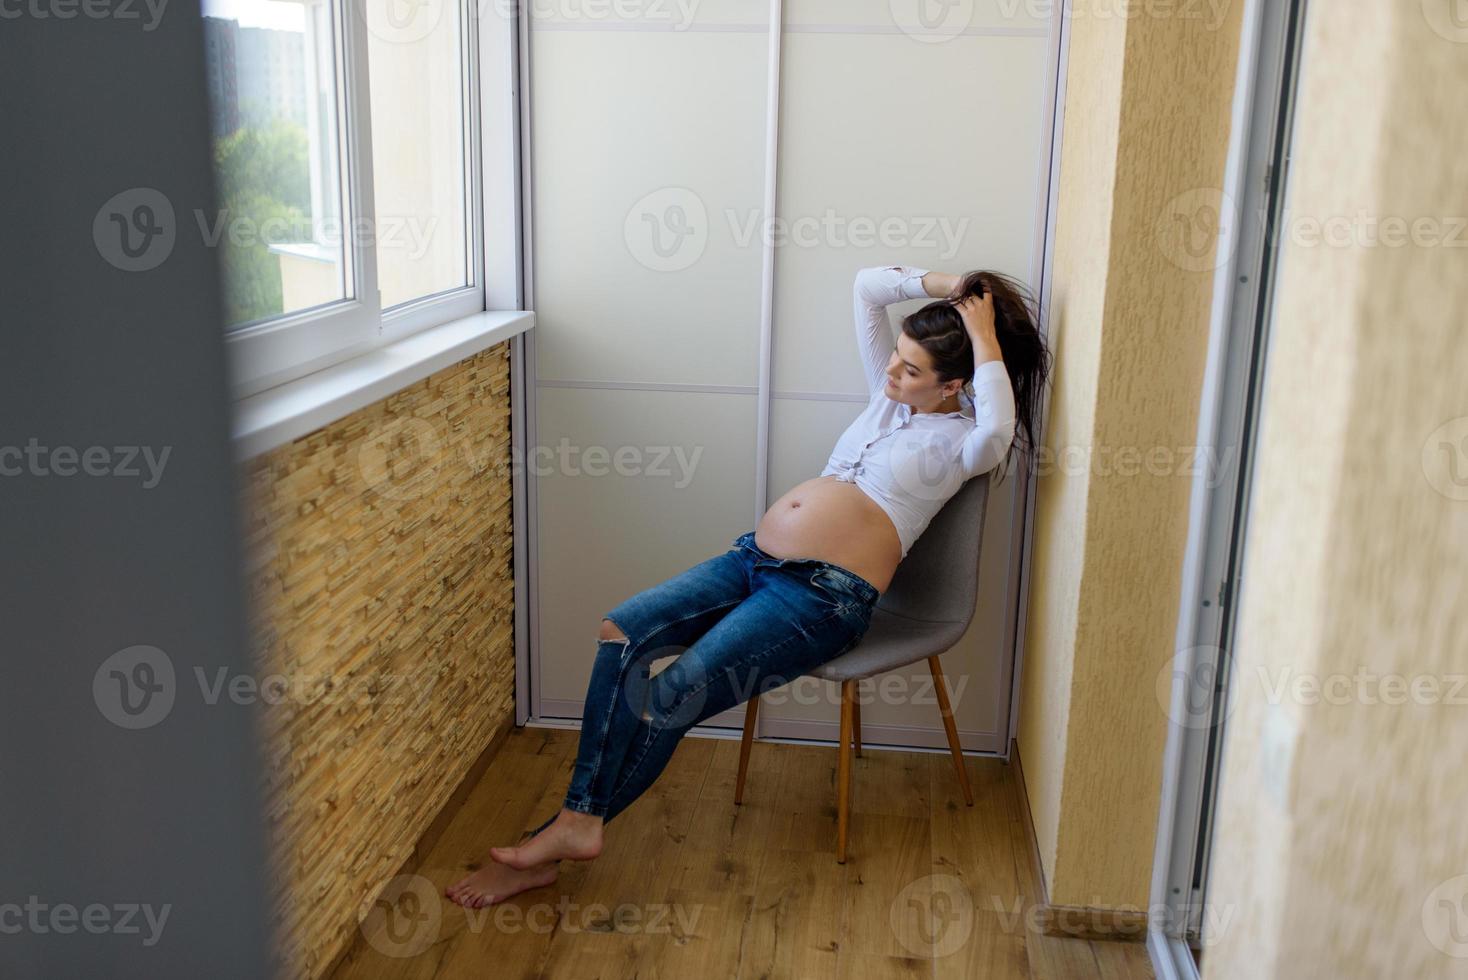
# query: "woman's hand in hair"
[978,320]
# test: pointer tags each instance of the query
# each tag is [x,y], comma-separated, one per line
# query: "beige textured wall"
[380,553]
[1146,131]
[1345,861]
[1077,306]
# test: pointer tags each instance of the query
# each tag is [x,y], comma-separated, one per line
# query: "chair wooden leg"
[952,729]
[856,717]
[843,771]
[750,714]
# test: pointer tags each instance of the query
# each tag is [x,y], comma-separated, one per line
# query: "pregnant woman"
[799,589]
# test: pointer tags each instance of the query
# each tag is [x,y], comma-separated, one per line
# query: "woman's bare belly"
[830,519]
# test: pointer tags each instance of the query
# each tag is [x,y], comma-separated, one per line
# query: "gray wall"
[100,820]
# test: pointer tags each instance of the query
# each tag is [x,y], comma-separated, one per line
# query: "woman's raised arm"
[874,290]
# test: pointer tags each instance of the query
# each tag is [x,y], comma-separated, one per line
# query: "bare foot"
[497,882]
[574,836]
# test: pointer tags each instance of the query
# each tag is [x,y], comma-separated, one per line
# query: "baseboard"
[1070,921]
[436,827]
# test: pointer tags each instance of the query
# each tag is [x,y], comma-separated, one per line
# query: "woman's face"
[911,379]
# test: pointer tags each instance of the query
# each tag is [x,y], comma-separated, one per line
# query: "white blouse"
[910,462]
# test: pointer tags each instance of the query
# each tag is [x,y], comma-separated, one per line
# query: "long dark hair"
[939,328]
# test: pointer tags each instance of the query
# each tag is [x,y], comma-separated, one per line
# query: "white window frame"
[274,352]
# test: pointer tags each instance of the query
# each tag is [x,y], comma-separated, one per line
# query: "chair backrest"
[938,581]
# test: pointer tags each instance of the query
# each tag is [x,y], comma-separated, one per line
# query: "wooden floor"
[691,887]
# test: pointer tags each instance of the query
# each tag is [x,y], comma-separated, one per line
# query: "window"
[345,158]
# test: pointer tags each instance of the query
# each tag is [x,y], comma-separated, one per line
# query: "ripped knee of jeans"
[611,632]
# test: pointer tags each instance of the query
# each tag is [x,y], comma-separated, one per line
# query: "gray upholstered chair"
[925,610]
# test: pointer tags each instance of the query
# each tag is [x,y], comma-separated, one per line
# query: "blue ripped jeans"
[740,624]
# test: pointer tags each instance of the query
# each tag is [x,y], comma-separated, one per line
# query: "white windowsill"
[279,415]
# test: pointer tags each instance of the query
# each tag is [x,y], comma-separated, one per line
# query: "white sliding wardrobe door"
[645,132]
[895,150]
[900,140]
